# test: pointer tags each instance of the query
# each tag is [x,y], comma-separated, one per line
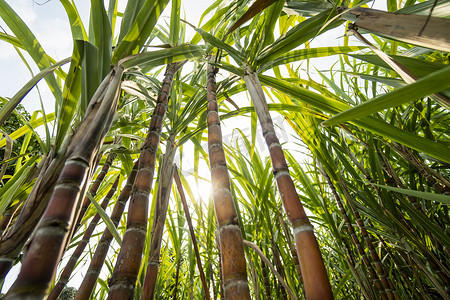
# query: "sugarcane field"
[227,149]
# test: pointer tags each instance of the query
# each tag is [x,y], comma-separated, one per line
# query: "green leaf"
[427,85]
[140,30]
[372,124]
[90,78]
[10,189]
[25,129]
[109,223]
[419,67]
[162,57]
[423,195]
[129,17]
[296,55]
[11,39]
[76,25]
[71,95]
[298,35]
[209,38]
[102,37]
[174,32]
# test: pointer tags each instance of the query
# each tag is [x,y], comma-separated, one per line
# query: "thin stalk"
[191,231]
[95,266]
[94,187]
[177,274]
[437,181]
[387,167]
[373,275]
[316,282]
[123,279]
[266,282]
[7,217]
[271,267]
[291,246]
[385,281]
[278,265]
[15,238]
[46,248]
[234,270]
[70,266]
[159,219]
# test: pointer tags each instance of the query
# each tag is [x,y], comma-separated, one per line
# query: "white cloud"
[24,9]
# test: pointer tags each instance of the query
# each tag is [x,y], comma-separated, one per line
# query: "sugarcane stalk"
[191,231]
[317,285]
[122,282]
[45,251]
[95,266]
[14,240]
[159,219]
[234,272]
[70,266]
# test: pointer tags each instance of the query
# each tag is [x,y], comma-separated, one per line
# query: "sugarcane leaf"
[109,223]
[71,95]
[174,29]
[421,220]
[419,67]
[11,39]
[307,8]
[76,24]
[271,16]
[102,37]
[372,124]
[209,38]
[7,154]
[30,44]
[90,77]
[418,194]
[10,189]
[440,8]
[112,13]
[429,84]
[129,17]
[153,59]
[140,30]
[298,35]
[7,108]
[296,55]
[257,7]
[394,82]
